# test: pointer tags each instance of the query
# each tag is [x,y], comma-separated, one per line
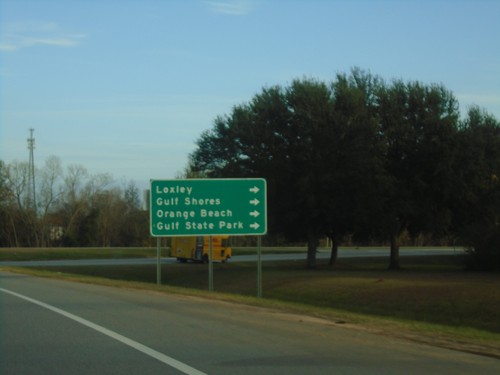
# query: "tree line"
[367,159]
[356,159]
[72,208]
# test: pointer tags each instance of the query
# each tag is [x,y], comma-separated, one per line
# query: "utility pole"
[31,173]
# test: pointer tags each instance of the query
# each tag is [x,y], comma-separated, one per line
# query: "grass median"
[431,299]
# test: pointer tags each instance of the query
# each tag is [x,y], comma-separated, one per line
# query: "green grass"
[431,299]
[421,292]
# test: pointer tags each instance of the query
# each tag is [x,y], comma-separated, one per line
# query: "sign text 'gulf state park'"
[196,207]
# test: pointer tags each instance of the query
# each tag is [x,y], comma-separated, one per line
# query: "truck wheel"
[205,258]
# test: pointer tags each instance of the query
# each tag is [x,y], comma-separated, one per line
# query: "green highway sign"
[203,207]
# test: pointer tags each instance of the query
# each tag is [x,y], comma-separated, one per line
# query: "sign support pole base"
[158,261]
[259,267]
[210,267]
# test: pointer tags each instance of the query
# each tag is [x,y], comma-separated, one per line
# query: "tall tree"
[22,216]
[48,196]
[134,230]
[280,136]
[319,149]
[7,232]
[355,163]
[74,205]
[477,189]
[419,125]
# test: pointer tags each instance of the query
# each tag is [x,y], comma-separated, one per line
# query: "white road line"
[125,340]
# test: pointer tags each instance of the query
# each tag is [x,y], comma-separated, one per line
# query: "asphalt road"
[322,254]
[57,327]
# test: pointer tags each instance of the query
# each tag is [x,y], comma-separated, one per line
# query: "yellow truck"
[197,249]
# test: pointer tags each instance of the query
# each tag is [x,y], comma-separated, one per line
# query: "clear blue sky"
[126,87]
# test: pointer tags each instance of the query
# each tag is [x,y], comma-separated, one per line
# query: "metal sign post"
[158,261]
[259,267]
[210,267]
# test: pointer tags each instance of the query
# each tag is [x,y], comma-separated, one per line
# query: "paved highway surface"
[56,327]
[322,254]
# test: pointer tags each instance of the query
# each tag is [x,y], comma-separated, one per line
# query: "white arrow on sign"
[255,202]
[254,190]
[255,213]
[254,226]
